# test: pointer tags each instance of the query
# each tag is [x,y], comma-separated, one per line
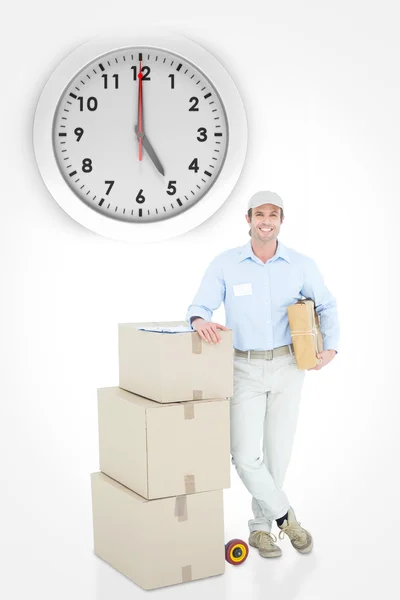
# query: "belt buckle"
[270,354]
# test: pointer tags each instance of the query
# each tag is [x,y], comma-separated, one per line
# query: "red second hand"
[140,112]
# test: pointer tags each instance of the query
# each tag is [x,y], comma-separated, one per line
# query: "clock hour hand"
[149,149]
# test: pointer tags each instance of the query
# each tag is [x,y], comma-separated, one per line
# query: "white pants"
[264,411]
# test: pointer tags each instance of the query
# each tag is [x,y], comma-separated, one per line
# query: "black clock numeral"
[87,165]
[172,81]
[171,190]
[111,183]
[203,134]
[195,103]
[78,131]
[91,103]
[194,165]
[140,198]
[105,77]
[145,71]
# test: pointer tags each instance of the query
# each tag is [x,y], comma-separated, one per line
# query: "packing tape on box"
[190,484]
[186,573]
[312,331]
[181,508]
[197,348]
[197,345]
[188,410]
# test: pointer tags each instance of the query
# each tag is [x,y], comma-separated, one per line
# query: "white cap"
[261,198]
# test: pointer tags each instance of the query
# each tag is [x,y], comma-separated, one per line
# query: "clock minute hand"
[150,151]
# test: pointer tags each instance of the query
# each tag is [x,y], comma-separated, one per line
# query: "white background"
[320,82]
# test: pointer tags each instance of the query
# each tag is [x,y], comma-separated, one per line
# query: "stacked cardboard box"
[164,457]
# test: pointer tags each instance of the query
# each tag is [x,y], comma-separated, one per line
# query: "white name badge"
[243,289]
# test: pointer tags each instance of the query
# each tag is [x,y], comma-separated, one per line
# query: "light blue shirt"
[256,295]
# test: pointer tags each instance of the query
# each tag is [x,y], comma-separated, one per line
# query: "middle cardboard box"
[159,450]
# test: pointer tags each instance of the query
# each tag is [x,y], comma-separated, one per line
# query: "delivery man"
[257,282]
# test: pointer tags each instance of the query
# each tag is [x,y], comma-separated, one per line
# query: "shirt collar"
[247,252]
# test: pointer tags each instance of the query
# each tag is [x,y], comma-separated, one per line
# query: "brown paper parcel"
[306,333]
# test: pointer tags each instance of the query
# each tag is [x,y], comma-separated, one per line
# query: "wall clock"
[141,137]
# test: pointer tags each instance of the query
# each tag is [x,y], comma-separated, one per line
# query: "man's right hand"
[208,331]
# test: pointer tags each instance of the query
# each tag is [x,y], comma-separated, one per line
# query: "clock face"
[98,149]
[140,137]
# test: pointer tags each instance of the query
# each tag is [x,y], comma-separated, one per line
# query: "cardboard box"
[306,334]
[174,367]
[160,450]
[158,542]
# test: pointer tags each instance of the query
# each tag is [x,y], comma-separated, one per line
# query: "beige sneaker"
[300,538]
[264,541]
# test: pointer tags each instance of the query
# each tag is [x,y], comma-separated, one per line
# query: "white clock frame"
[104,225]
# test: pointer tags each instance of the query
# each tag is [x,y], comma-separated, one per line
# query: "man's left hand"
[324,358]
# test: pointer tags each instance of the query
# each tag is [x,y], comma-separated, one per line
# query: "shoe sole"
[305,550]
[270,555]
[273,554]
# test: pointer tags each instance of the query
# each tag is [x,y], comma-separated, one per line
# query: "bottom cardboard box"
[159,542]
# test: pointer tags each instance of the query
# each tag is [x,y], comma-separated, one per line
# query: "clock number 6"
[140,198]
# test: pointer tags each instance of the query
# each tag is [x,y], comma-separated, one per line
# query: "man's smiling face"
[265,222]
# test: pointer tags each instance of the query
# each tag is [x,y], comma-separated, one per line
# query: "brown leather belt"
[266,354]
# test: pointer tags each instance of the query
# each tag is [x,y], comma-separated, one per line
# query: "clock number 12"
[145,70]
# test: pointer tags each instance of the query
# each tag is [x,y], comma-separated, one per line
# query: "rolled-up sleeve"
[325,304]
[210,294]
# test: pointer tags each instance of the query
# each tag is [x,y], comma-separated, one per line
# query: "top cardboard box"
[174,367]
